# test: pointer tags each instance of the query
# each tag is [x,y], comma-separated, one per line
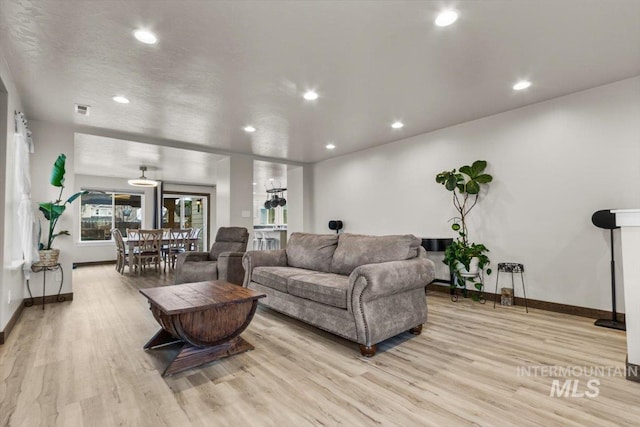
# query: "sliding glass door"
[186,211]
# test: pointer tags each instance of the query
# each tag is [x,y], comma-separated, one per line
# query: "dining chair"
[179,242]
[122,252]
[194,244]
[149,249]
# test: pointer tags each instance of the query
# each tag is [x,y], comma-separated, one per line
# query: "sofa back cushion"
[355,250]
[311,251]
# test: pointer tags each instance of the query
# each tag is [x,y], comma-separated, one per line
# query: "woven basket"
[48,257]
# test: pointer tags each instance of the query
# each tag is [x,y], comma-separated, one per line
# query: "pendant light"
[143,181]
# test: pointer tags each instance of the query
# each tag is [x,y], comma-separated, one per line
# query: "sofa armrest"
[253,259]
[230,267]
[372,281]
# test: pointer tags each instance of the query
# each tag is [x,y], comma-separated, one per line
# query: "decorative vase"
[473,268]
[48,257]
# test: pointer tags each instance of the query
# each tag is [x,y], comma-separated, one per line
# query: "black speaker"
[335,224]
[604,219]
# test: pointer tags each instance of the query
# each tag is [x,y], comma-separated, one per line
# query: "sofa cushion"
[311,251]
[276,277]
[325,288]
[355,250]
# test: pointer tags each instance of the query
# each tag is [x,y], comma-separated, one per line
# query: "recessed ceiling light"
[397,125]
[254,183]
[522,84]
[310,95]
[446,18]
[120,99]
[330,146]
[249,129]
[145,36]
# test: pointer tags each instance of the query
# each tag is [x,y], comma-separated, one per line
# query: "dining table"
[131,244]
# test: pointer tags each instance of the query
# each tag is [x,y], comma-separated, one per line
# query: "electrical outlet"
[9,297]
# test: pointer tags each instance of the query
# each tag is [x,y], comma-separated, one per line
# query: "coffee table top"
[198,296]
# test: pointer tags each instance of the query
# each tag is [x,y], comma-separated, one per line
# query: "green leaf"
[483,179]
[478,286]
[473,187]
[75,196]
[466,170]
[455,227]
[57,174]
[51,211]
[478,167]
[451,183]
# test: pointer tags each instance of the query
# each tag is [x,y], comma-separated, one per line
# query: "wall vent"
[83,110]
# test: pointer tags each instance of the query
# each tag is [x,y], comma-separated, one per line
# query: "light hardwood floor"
[81,363]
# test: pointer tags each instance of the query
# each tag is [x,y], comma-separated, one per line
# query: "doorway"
[187,211]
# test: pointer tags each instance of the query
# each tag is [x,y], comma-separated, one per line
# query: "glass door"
[184,211]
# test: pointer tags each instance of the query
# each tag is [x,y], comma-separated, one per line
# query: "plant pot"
[473,270]
[48,257]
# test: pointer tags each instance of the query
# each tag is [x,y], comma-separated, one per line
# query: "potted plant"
[465,259]
[52,212]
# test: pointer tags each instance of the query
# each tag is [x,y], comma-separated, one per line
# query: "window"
[102,211]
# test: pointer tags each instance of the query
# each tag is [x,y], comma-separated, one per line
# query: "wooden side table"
[207,317]
[36,268]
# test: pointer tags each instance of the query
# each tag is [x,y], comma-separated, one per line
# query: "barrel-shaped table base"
[191,356]
[207,317]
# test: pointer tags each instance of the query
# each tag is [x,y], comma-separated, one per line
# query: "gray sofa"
[222,262]
[363,288]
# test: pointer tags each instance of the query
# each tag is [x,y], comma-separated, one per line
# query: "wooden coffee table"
[208,317]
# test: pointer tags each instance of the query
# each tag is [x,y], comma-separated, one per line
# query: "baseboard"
[12,322]
[542,305]
[48,299]
[90,263]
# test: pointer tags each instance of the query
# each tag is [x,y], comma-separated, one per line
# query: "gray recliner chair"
[222,262]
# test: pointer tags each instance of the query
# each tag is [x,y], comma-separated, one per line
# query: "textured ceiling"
[112,157]
[219,65]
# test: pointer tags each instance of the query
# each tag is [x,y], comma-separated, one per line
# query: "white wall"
[296,206]
[554,164]
[234,192]
[50,140]
[11,278]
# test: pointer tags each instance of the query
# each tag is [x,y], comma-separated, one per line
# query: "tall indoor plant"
[463,256]
[52,212]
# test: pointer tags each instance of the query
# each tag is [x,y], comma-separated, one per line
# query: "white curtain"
[26,217]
